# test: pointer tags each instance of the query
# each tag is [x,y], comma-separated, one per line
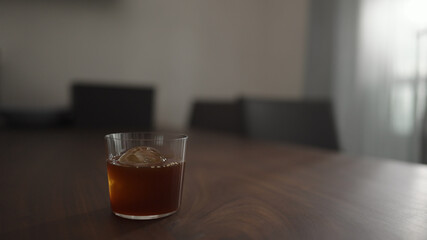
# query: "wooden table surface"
[54,186]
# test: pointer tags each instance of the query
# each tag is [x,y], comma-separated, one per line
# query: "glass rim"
[168,136]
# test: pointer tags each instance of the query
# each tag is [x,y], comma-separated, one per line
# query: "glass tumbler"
[145,173]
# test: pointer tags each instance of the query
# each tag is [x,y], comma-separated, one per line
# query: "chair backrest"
[302,122]
[106,106]
[217,116]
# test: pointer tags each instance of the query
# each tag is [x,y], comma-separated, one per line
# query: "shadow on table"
[93,225]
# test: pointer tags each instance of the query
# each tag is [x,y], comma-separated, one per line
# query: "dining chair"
[305,122]
[223,116]
[110,106]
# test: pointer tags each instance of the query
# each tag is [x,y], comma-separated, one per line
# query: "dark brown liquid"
[142,191]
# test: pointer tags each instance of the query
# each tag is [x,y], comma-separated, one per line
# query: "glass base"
[145,217]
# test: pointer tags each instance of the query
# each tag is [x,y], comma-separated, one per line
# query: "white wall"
[318,82]
[187,49]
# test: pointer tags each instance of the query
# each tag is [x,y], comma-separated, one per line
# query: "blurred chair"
[105,106]
[217,116]
[302,122]
[35,119]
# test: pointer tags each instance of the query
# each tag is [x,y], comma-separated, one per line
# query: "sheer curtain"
[380,72]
